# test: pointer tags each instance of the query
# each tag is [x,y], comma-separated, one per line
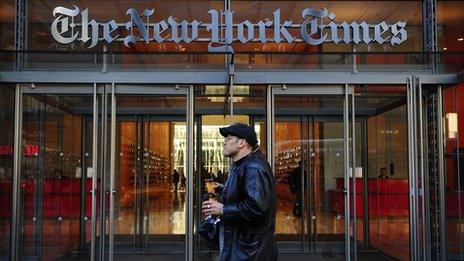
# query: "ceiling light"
[460,39]
[444,48]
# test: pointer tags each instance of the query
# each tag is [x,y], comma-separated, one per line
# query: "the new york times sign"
[317,27]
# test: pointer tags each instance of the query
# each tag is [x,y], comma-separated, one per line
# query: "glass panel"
[215,99]
[356,191]
[212,112]
[41,17]
[309,172]
[386,167]
[289,171]
[7,19]
[211,164]
[150,210]
[370,11]
[453,110]
[450,29]
[55,204]
[7,97]
[327,181]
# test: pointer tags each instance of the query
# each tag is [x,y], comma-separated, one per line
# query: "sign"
[317,27]
[27,151]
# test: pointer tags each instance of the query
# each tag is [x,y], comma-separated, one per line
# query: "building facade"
[358,106]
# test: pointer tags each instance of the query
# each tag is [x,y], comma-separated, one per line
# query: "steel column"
[353,173]
[422,197]
[15,217]
[190,180]
[441,173]
[270,126]
[346,155]
[112,172]
[20,29]
[94,173]
[103,164]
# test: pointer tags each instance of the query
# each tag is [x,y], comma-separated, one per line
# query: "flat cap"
[242,131]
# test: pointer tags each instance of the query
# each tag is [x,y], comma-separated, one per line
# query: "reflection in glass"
[56,176]
[309,170]
[453,111]
[151,175]
[388,182]
[6,165]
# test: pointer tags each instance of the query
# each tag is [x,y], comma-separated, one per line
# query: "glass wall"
[55,203]
[453,113]
[387,169]
[6,165]
[7,25]
[41,18]
[7,19]
[370,11]
[450,29]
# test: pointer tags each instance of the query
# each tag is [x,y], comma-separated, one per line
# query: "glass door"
[313,158]
[149,172]
[57,174]
[98,171]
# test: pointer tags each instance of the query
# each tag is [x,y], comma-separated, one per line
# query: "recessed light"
[460,39]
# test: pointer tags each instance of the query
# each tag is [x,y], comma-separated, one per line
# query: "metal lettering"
[380,29]
[108,28]
[62,21]
[318,27]
[194,34]
[315,28]
[262,30]
[398,28]
[241,32]
[351,32]
[281,29]
[135,18]
[158,28]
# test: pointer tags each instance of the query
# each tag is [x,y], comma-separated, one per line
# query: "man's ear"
[242,143]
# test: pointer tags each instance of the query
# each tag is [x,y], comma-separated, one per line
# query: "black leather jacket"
[249,212]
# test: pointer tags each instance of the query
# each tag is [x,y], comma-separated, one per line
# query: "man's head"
[240,139]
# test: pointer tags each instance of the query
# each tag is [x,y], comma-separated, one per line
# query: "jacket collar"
[242,159]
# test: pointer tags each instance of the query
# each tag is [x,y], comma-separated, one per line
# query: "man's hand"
[212,207]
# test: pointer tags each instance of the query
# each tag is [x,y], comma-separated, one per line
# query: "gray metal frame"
[418,238]
[112,172]
[353,170]
[94,174]
[221,77]
[190,180]
[441,173]
[346,179]
[15,221]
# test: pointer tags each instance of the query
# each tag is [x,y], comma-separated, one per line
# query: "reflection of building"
[75,177]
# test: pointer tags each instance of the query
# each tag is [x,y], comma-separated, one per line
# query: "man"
[175,179]
[247,207]
[294,181]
